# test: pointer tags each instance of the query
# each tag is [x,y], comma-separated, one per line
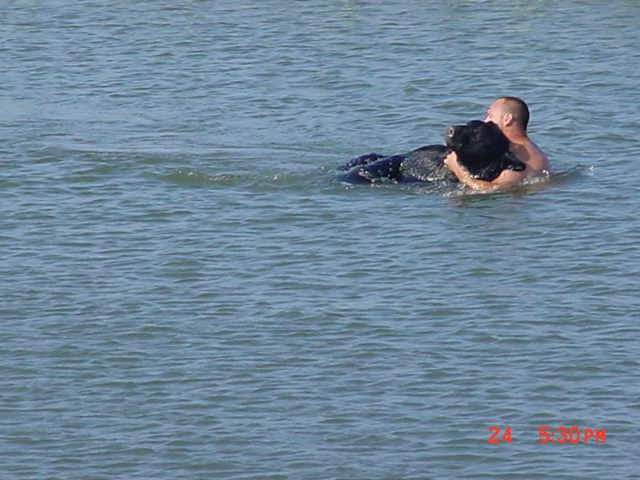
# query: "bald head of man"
[509,112]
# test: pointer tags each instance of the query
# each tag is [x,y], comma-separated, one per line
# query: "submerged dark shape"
[481,148]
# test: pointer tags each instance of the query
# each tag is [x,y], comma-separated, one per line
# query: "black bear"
[481,148]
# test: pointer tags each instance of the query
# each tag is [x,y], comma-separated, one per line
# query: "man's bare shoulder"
[530,154]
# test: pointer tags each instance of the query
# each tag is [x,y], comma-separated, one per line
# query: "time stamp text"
[552,435]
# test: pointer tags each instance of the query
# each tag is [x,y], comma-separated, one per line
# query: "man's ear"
[507,118]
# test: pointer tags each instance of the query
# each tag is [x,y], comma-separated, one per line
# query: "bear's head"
[481,147]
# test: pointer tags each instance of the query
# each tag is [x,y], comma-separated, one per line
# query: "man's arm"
[506,179]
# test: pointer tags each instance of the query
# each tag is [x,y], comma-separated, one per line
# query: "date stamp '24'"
[549,435]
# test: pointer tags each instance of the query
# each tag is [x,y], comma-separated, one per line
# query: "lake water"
[188,292]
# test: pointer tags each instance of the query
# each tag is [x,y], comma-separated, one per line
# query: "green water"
[187,292]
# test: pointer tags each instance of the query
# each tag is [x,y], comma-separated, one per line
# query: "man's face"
[494,113]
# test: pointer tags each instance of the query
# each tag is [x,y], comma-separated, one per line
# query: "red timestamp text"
[550,435]
[570,435]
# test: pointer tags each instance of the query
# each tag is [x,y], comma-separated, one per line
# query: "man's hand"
[451,161]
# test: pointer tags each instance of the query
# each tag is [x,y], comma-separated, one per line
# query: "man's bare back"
[528,153]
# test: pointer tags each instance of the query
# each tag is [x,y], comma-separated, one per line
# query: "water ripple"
[189,291]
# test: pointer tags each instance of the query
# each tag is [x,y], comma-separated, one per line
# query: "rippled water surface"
[188,292]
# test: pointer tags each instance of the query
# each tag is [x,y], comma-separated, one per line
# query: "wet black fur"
[481,148]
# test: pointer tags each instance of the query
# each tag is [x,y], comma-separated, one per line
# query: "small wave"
[194,178]
[260,181]
[6,183]
[324,177]
[573,172]
[533,184]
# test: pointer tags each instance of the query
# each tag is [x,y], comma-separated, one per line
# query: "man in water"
[511,114]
